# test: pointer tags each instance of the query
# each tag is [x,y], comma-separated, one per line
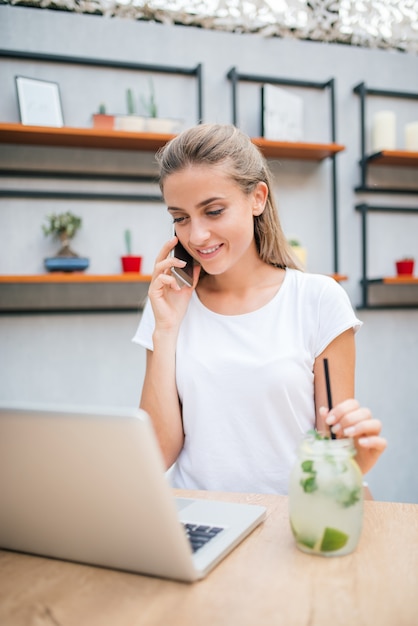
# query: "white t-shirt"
[246,383]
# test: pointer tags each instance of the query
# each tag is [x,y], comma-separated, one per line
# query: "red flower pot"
[405,267]
[131,263]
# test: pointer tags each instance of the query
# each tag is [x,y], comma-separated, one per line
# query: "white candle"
[384,131]
[411,136]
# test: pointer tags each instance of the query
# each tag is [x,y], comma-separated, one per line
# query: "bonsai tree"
[63,226]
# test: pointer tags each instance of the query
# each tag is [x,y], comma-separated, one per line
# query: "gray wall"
[89,359]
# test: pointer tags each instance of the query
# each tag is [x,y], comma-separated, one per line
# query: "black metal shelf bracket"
[235,77]
[196,71]
[78,195]
[365,282]
[365,160]
[363,91]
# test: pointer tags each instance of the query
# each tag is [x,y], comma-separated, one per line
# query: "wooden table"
[265,581]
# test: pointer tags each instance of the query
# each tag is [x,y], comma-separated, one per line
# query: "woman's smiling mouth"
[208,252]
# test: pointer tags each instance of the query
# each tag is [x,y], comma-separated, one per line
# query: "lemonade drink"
[326,497]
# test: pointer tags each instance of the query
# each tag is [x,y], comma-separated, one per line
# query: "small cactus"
[149,103]
[128,242]
[130,101]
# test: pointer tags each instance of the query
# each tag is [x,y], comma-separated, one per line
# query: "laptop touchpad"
[181,503]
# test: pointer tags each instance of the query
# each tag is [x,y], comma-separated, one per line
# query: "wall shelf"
[73,292]
[76,292]
[297,150]
[70,137]
[148,142]
[393,281]
[75,277]
[396,158]
[391,158]
[340,278]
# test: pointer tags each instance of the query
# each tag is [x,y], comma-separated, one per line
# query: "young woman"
[234,374]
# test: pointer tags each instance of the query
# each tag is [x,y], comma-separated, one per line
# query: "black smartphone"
[183,274]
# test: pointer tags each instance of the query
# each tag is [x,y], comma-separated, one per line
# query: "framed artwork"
[282,114]
[39,102]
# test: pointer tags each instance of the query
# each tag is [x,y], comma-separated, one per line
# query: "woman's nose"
[198,234]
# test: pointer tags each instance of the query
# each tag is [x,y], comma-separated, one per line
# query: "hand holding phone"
[183,274]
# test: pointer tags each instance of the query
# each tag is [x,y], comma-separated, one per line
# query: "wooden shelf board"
[296,150]
[150,142]
[76,277]
[72,292]
[401,158]
[80,277]
[400,280]
[339,277]
[81,137]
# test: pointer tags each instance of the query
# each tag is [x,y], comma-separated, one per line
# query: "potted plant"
[64,226]
[150,122]
[405,266]
[102,119]
[130,262]
[299,251]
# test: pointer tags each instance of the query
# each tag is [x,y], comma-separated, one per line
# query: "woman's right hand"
[169,301]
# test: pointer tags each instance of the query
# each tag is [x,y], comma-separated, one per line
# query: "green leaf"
[309,485]
[307,466]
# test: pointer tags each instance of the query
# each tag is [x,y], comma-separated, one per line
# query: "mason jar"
[326,496]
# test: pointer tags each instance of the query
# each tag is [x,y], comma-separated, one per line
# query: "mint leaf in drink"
[307,466]
[309,485]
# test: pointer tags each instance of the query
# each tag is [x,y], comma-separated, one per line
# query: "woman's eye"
[215,212]
[177,220]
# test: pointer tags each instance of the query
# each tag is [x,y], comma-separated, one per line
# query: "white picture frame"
[282,113]
[39,102]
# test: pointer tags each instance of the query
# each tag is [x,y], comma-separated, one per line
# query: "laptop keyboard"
[199,535]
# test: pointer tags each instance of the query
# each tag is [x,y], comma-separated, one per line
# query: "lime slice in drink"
[333,539]
[308,542]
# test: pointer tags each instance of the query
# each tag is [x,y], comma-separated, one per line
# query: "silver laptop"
[88,485]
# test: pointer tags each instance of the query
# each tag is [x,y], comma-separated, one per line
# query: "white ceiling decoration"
[368,23]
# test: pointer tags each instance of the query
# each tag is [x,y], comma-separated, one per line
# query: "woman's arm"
[347,418]
[159,393]
[160,400]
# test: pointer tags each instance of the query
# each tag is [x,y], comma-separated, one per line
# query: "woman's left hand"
[349,419]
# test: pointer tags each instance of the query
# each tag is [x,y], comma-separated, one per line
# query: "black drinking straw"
[328,391]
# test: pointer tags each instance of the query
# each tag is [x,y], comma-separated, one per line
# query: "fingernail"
[336,428]
[349,432]
[364,441]
[330,419]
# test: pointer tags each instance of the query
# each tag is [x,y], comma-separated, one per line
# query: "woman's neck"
[240,291]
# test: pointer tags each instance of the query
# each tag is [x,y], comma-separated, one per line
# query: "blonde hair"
[214,144]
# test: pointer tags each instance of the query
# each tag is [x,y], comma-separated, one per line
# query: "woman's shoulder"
[312,281]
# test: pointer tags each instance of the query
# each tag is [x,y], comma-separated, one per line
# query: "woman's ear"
[260,198]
